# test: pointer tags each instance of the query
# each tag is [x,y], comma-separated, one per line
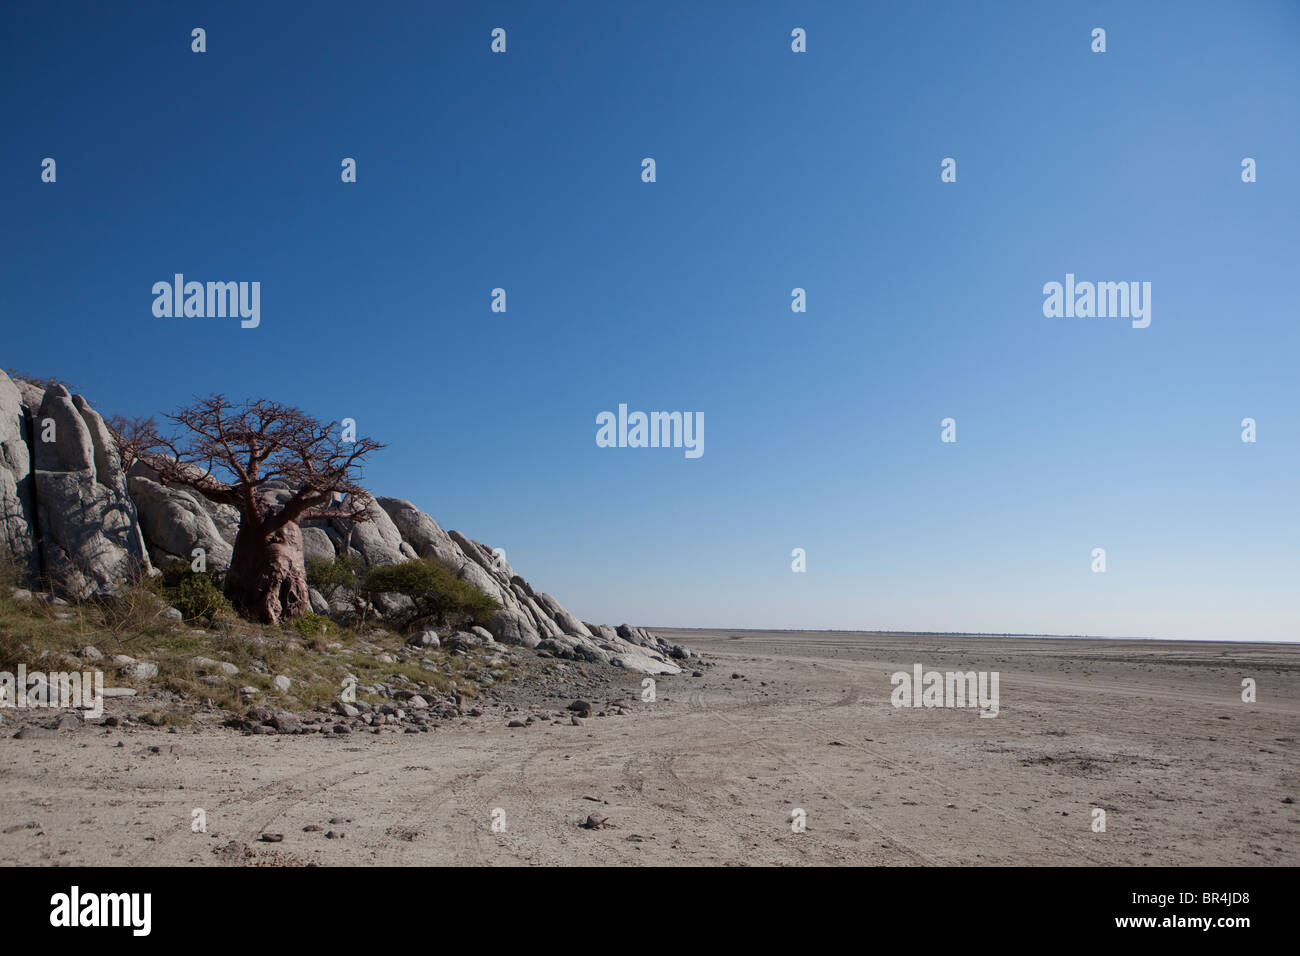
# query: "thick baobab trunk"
[268,579]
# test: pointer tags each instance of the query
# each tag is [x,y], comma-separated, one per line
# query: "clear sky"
[775,170]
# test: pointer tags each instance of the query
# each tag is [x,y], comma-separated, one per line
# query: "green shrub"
[196,595]
[439,596]
[310,624]
[174,574]
[328,577]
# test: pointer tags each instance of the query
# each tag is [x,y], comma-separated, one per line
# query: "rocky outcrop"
[471,562]
[568,623]
[420,531]
[17,508]
[529,618]
[175,521]
[510,625]
[70,513]
[90,539]
[316,544]
[377,541]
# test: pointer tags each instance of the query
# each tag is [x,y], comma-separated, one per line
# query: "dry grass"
[48,636]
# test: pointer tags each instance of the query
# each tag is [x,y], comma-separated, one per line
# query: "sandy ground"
[1155,733]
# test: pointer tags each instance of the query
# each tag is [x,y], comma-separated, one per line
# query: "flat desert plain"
[1154,733]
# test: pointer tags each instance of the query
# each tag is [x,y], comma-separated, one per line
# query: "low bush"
[328,577]
[438,596]
[311,624]
[195,594]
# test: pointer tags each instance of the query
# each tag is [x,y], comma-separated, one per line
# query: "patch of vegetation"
[329,577]
[311,624]
[438,596]
[196,594]
[51,636]
[134,610]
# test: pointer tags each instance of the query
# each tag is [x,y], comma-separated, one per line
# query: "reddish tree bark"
[267,580]
[241,456]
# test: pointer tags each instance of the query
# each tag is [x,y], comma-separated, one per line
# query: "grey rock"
[318,603]
[208,664]
[317,544]
[569,623]
[90,535]
[18,520]
[176,520]
[141,670]
[546,626]
[286,722]
[644,663]
[557,647]
[393,605]
[512,626]
[464,641]
[377,540]
[422,533]
[426,638]
[585,651]
[482,568]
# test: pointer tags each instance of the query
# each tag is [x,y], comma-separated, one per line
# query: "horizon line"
[1026,634]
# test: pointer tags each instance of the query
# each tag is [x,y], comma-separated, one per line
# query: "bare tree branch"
[228,452]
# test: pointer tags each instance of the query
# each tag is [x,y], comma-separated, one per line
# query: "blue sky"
[775,170]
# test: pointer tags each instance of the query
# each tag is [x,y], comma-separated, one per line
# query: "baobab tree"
[277,466]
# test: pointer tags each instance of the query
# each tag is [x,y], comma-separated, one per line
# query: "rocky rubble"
[509,686]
